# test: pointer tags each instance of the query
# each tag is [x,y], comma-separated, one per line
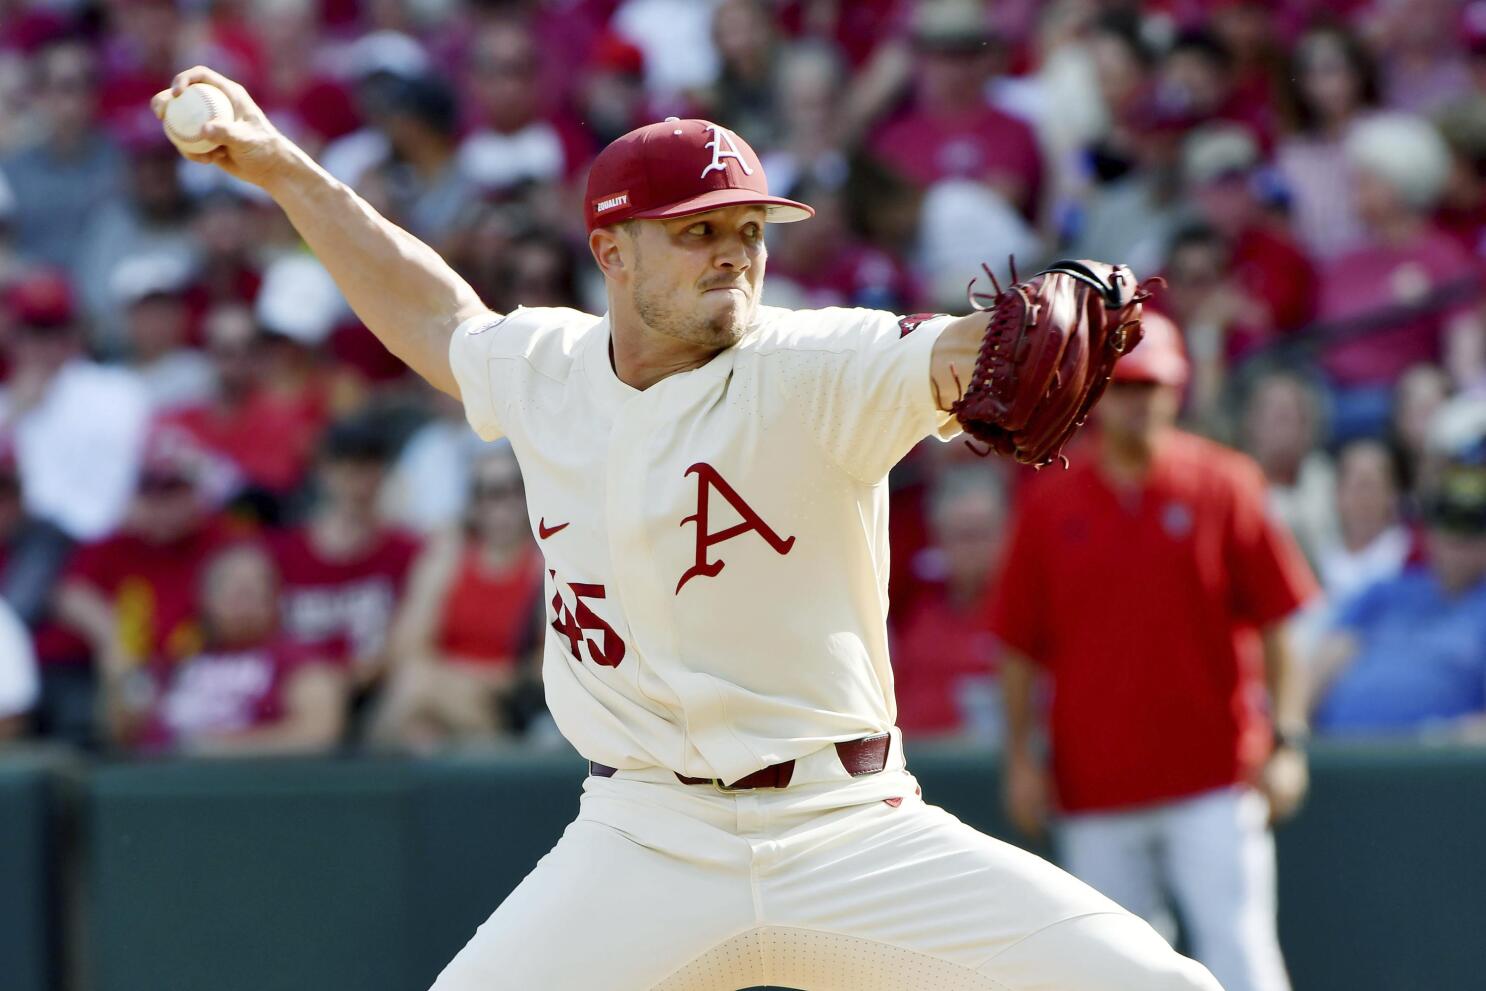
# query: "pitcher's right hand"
[250,148]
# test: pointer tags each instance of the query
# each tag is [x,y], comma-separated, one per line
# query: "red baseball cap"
[679,167]
[1159,357]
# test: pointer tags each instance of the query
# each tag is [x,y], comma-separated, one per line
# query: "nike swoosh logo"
[544,531]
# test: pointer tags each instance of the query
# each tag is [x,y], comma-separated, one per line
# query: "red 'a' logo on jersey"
[708,479]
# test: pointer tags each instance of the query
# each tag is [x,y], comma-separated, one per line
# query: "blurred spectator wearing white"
[244,691]
[343,571]
[1334,85]
[150,292]
[1408,293]
[469,629]
[78,461]
[19,685]
[428,487]
[1421,392]
[812,80]
[1408,654]
[1282,431]
[60,183]
[297,310]
[676,37]
[1372,542]
[945,658]
[517,138]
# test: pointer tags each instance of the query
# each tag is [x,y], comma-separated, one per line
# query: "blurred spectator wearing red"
[469,629]
[945,658]
[1408,293]
[342,570]
[78,466]
[950,131]
[1273,281]
[243,690]
[270,441]
[1149,586]
[132,596]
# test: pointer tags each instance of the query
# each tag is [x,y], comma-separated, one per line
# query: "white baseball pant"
[1214,854]
[832,884]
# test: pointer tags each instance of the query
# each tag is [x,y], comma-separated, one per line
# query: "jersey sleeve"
[490,352]
[873,399]
[1270,575]
[470,353]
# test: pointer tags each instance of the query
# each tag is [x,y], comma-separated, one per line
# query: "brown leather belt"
[865,756]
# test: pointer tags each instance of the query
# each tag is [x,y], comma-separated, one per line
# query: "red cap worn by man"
[677,167]
[1159,358]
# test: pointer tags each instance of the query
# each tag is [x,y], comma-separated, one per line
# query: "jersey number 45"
[571,624]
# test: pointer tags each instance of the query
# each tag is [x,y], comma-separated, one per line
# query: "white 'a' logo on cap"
[722,146]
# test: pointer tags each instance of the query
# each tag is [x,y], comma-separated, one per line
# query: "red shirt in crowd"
[216,693]
[154,588]
[943,653]
[1432,273]
[487,617]
[270,440]
[984,144]
[342,610]
[1145,610]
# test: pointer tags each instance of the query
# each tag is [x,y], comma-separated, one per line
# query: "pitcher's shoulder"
[546,337]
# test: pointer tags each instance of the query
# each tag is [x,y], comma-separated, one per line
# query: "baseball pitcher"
[706,477]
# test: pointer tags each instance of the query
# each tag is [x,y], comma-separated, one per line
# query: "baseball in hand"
[185,115]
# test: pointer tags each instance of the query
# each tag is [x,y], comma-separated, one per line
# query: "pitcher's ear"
[607,248]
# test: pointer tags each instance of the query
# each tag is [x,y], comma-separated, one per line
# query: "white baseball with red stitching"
[185,116]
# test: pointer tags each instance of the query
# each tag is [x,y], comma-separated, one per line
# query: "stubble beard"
[718,329]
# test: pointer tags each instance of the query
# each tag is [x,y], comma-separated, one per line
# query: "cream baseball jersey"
[717,544]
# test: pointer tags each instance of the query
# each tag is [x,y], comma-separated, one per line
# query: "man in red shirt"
[944,659]
[1150,588]
[244,689]
[951,131]
[342,571]
[131,597]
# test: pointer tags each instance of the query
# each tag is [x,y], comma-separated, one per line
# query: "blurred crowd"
[231,522]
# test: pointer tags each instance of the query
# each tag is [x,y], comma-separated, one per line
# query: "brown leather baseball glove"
[1049,348]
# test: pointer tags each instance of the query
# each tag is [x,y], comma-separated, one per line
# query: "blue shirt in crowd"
[1421,657]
